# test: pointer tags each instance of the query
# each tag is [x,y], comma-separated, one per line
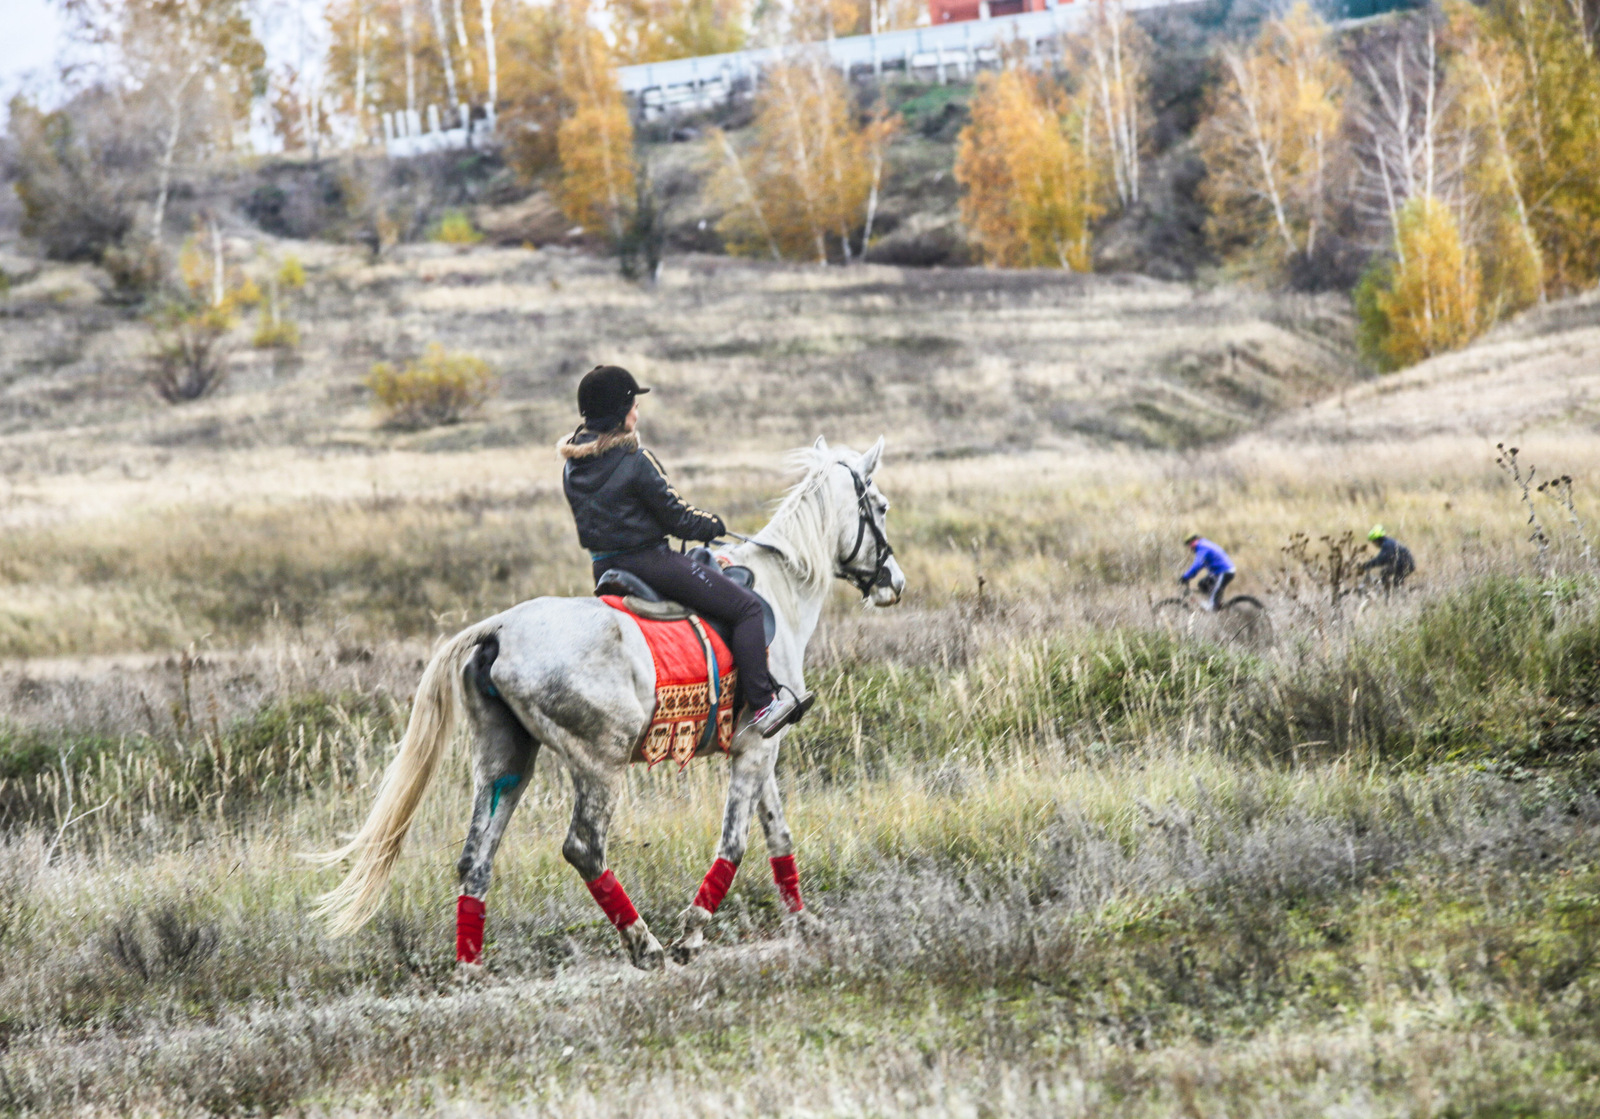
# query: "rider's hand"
[722,529]
[1182,582]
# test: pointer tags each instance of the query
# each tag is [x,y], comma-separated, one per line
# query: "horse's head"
[863,556]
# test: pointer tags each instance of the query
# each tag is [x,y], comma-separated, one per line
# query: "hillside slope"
[746,356]
[1540,370]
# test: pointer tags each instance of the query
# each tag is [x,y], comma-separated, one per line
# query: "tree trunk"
[488,50]
[408,23]
[466,51]
[168,153]
[444,53]
[749,194]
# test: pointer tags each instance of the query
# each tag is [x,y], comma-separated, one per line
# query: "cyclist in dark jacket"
[1393,561]
[625,509]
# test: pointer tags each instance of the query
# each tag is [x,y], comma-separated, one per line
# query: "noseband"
[879,575]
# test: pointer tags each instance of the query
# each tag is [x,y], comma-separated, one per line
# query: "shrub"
[455,228]
[135,267]
[441,388]
[1372,321]
[72,177]
[275,334]
[189,359]
[291,273]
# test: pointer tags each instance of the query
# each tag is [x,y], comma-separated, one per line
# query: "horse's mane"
[806,525]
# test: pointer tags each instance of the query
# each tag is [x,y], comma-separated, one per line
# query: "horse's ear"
[820,445]
[869,461]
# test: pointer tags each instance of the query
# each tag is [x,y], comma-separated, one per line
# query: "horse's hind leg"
[750,767]
[502,763]
[594,798]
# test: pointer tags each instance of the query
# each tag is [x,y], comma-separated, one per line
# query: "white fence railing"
[949,49]
[404,134]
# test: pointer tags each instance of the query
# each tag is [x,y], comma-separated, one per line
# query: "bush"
[455,228]
[291,273]
[1372,321]
[189,359]
[441,388]
[275,334]
[73,175]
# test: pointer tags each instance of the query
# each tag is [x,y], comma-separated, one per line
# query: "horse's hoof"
[644,950]
[810,926]
[689,946]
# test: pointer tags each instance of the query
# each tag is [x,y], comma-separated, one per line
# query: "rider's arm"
[1194,568]
[676,515]
[1386,555]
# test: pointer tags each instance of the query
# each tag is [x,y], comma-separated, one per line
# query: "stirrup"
[781,712]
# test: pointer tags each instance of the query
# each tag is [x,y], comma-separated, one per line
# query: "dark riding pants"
[708,591]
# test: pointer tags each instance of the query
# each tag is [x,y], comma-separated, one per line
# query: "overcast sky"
[33,36]
[30,37]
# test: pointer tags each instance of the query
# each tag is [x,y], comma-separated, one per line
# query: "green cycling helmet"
[1376,534]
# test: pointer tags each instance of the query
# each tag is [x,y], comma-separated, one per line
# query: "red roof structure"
[954,11]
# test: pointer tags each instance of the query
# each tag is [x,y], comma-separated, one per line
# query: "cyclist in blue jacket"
[1214,560]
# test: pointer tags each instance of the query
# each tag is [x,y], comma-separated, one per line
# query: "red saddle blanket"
[682,699]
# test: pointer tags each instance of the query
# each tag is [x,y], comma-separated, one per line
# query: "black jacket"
[1393,556]
[621,498]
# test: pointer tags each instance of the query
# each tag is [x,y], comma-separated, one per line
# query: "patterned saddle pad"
[682,699]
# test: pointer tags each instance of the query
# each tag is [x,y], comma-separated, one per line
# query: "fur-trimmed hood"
[621,498]
[584,443]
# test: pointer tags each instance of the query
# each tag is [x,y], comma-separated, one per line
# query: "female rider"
[625,508]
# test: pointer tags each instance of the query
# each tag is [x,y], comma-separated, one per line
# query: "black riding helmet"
[605,396]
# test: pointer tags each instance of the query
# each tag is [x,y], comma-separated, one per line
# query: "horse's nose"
[894,583]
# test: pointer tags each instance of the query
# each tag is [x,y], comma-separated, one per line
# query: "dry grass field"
[1074,863]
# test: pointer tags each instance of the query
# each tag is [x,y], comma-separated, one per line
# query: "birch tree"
[1112,54]
[198,61]
[1432,301]
[1544,56]
[595,139]
[1028,184]
[807,186]
[1270,138]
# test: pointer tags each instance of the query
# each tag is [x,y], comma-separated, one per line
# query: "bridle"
[865,582]
[879,576]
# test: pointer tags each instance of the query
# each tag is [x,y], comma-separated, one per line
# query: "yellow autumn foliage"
[439,388]
[808,183]
[595,140]
[1268,141]
[1029,189]
[1431,303]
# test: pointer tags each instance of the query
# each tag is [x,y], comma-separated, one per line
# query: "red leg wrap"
[788,880]
[613,899]
[469,929]
[715,886]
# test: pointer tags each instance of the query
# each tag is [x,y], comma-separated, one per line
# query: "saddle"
[644,600]
[690,719]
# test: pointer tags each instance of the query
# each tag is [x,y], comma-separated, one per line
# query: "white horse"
[575,677]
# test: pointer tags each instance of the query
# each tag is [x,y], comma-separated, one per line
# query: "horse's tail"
[376,847]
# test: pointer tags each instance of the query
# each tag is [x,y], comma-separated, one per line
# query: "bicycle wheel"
[1175,613]
[1244,620]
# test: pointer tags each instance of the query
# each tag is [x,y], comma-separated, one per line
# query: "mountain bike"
[1241,620]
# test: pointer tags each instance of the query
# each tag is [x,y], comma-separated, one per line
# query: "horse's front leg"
[502,762]
[780,850]
[749,768]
